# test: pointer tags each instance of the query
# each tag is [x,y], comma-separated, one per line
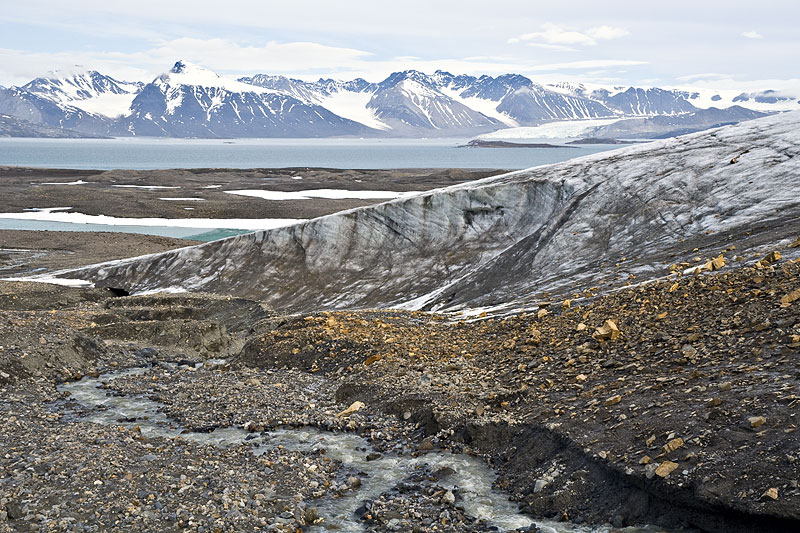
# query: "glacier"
[510,240]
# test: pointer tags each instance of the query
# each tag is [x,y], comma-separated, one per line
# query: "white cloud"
[603,33]
[752,35]
[18,67]
[223,54]
[306,60]
[589,64]
[703,76]
[558,35]
[555,47]
[788,86]
[555,34]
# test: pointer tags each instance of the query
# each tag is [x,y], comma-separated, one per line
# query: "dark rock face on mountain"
[308,90]
[499,241]
[411,100]
[530,106]
[660,127]
[655,101]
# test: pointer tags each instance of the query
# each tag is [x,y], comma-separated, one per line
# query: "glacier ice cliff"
[502,241]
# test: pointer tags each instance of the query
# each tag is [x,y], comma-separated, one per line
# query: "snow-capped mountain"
[348,99]
[411,100]
[191,101]
[767,100]
[519,99]
[644,102]
[89,90]
[404,103]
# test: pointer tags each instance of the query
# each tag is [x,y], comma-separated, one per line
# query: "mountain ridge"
[191,101]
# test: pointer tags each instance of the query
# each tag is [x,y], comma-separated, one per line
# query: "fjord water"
[158,153]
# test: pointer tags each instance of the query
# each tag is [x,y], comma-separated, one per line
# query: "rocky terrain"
[28,252]
[668,403]
[95,192]
[643,378]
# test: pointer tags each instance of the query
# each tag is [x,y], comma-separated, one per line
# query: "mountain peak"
[75,71]
[184,67]
[185,73]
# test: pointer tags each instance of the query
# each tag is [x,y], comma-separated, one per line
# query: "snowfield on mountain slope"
[353,106]
[505,239]
[563,129]
[481,105]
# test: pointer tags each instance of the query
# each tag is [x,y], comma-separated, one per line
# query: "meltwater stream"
[471,477]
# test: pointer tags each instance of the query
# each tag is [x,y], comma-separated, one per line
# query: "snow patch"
[146,187]
[77,182]
[67,282]
[553,130]
[109,104]
[188,199]
[353,106]
[330,194]
[46,209]
[165,290]
[252,224]
[481,105]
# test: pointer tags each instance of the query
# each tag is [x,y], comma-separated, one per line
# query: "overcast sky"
[732,44]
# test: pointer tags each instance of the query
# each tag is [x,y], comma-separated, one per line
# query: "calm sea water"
[154,153]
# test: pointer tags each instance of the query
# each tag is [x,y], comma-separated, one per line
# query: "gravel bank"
[685,418]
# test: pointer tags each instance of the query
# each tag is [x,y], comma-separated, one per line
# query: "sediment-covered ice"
[503,239]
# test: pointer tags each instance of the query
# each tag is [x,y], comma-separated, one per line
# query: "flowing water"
[471,477]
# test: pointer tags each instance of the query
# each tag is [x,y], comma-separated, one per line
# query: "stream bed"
[381,472]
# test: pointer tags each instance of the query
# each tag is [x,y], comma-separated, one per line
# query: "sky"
[735,44]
